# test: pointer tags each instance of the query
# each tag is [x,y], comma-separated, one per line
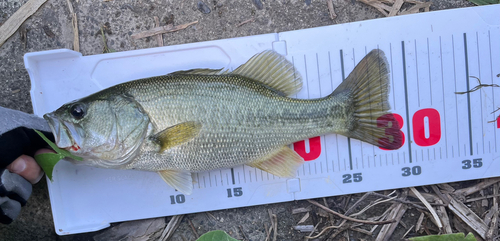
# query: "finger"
[26,167]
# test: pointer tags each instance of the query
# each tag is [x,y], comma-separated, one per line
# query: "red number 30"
[419,126]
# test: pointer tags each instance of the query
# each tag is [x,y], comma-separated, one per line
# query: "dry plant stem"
[480,186]
[194,229]
[243,234]
[316,226]
[396,7]
[493,230]
[349,218]
[404,235]
[159,37]
[396,214]
[433,212]
[10,26]
[467,216]
[301,210]
[333,15]
[419,222]
[397,200]
[356,204]
[339,231]
[445,220]
[74,23]
[161,30]
[171,227]
[369,233]
[245,22]
[440,194]
[324,230]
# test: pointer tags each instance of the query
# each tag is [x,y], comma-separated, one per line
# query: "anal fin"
[180,180]
[283,163]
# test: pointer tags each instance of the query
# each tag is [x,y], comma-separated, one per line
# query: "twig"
[303,219]
[316,226]
[171,227]
[159,37]
[477,87]
[480,198]
[493,230]
[396,214]
[245,22]
[433,212]
[331,11]
[440,194]
[469,217]
[404,235]
[10,26]
[419,222]
[243,233]
[349,218]
[192,228]
[356,204]
[301,210]
[161,30]
[397,200]
[324,230]
[480,186]
[372,205]
[369,233]
[74,24]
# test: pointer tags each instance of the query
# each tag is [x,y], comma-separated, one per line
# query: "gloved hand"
[18,144]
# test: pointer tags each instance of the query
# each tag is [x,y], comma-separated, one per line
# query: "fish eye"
[77,111]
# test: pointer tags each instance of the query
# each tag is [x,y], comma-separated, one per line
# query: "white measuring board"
[448,137]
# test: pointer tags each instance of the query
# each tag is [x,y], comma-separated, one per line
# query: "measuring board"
[448,137]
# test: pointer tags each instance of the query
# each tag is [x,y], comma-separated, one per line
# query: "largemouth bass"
[205,119]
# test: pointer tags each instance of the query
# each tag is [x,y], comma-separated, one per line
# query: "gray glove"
[17,138]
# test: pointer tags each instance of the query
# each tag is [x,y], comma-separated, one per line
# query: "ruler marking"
[468,94]
[244,174]
[232,176]
[416,72]
[444,97]
[331,87]
[492,89]
[480,95]
[348,139]
[406,102]
[429,67]
[456,96]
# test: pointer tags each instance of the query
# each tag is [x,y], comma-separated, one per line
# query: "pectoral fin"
[177,134]
[283,162]
[180,180]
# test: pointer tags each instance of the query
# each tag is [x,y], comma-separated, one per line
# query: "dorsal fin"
[201,72]
[273,70]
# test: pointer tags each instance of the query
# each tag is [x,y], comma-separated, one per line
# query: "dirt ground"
[50,28]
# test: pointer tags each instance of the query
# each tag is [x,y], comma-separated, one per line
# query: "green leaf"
[216,235]
[47,161]
[484,2]
[63,152]
[446,237]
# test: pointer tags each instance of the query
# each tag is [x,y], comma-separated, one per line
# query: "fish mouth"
[64,133]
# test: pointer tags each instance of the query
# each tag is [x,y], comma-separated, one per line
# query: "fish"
[204,119]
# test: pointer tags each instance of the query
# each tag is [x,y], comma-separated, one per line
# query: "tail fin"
[368,85]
